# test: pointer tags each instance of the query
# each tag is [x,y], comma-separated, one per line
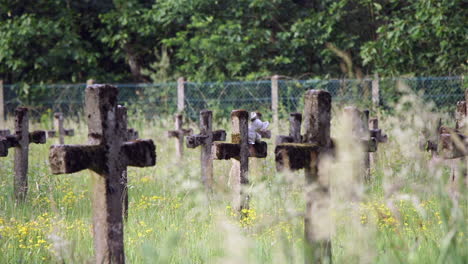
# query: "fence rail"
[273,97]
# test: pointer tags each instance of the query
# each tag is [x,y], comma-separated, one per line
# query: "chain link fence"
[152,100]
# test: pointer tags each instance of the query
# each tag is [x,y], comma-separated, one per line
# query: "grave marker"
[205,139]
[295,121]
[360,132]
[179,134]
[380,137]
[306,154]
[58,126]
[20,141]
[239,151]
[107,154]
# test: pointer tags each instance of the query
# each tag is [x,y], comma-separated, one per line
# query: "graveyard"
[232,132]
[333,184]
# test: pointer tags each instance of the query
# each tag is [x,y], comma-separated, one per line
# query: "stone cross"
[59,129]
[360,133]
[452,144]
[179,134]
[107,154]
[314,144]
[380,137]
[205,139]
[295,120]
[20,141]
[376,132]
[239,151]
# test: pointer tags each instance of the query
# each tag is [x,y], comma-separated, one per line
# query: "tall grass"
[407,214]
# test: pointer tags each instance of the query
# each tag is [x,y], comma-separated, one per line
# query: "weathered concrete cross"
[239,150]
[360,133]
[20,141]
[58,127]
[107,154]
[452,144]
[376,132]
[380,137]
[306,154]
[205,139]
[179,134]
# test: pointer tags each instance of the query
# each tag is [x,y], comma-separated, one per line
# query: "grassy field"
[406,215]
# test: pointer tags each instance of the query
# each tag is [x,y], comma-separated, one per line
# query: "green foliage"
[420,38]
[52,41]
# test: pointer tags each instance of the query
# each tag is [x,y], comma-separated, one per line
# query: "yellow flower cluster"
[26,235]
[248,217]
[70,198]
[405,217]
[146,202]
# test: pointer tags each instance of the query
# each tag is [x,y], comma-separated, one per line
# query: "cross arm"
[378,135]
[196,140]
[139,153]
[69,132]
[453,145]
[38,137]
[295,156]
[6,143]
[176,133]
[51,133]
[73,158]
[223,150]
[219,135]
[258,150]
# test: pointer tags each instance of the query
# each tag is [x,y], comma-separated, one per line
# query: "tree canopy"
[53,41]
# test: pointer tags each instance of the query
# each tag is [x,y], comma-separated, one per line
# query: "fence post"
[375,91]
[2,106]
[180,94]
[274,101]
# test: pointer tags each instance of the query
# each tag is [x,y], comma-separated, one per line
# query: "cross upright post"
[306,154]
[239,152]
[295,121]
[20,141]
[360,133]
[58,127]
[380,137]
[205,139]
[453,144]
[107,154]
[179,134]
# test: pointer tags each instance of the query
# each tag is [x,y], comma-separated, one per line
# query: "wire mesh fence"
[152,100]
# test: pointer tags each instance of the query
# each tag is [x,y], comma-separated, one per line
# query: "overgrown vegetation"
[408,214]
[55,41]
